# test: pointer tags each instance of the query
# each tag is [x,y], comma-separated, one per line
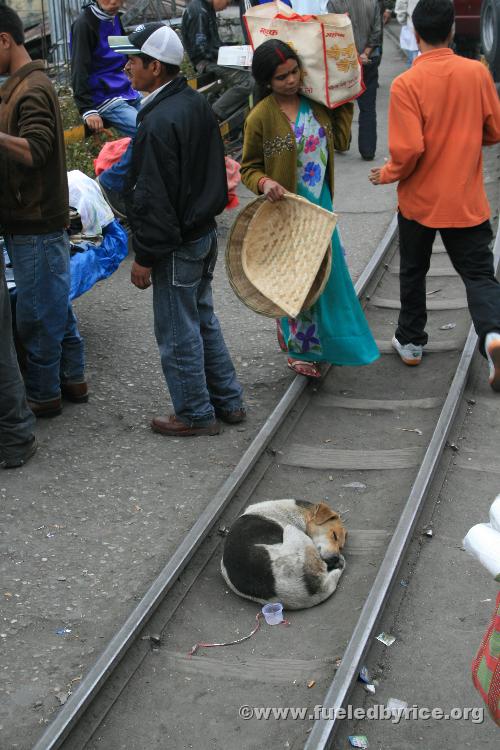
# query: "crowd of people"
[172,184]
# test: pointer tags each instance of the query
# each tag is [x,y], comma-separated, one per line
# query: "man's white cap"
[154,39]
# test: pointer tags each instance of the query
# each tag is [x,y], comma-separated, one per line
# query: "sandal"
[308,369]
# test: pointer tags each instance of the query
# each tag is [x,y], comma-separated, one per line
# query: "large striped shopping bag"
[331,71]
[486,666]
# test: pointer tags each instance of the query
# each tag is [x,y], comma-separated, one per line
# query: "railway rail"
[369,440]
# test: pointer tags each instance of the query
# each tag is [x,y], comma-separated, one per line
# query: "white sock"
[490,337]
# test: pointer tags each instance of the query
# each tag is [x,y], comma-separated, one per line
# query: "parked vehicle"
[490,35]
[467,27]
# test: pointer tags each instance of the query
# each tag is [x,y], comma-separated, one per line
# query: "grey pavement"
[92,519]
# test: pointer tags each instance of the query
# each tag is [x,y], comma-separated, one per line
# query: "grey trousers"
[239,86]
[16,419]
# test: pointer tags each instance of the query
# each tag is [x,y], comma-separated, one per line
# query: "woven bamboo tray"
[314,263]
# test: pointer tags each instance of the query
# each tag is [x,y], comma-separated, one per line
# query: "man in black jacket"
[202,42]
[176,186]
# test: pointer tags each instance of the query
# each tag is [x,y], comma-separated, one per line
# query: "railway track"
[369,440]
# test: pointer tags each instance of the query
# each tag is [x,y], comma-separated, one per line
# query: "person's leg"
[72,372]
[122,116]
[42,276]
[17,441]
[415,248]
[469,251]
[177,328]
[239,87]
[367,125]
[223,387]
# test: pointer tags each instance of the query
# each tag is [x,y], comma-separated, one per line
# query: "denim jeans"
[411,55]
[196,363]
[367,125]
[46,325]
[16,420]
[122,115]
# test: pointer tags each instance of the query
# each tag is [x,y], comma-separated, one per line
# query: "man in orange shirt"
[442,111]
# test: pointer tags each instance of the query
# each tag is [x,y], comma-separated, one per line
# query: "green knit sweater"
[269,147]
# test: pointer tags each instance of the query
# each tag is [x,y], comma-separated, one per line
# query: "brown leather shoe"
[176,428]
[78,393]
[232,417]
[46,408]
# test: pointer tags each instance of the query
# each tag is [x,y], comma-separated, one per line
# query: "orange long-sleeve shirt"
[441,112]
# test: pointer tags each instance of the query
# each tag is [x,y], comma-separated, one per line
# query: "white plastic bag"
[483,543]
[85,195]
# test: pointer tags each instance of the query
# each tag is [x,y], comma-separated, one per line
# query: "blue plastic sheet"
[97,262]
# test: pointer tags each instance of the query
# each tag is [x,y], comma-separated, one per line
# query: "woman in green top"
[289,142]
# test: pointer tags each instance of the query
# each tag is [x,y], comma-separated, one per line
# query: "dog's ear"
[322,513]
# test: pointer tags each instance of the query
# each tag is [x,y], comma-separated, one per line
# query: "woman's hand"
[273,190]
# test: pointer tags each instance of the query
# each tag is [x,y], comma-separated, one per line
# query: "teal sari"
[334,329]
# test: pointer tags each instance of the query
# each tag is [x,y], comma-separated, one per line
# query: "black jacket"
[199,32]
[177,181]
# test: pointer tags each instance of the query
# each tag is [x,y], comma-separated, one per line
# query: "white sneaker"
[411,354]
[492,349]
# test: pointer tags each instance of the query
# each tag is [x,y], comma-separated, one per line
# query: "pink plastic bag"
[109,154]
[233,180]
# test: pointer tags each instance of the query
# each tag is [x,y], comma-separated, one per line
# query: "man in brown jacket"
[33,221]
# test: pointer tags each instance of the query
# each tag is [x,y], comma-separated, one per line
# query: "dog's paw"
[341,562]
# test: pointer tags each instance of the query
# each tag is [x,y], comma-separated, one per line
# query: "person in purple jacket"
[101,89]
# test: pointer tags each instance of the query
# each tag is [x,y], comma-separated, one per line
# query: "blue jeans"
[46,325]
[411,55]
[196,363]
[16,420]
[122,115]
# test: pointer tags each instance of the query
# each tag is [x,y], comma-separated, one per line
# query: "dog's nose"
[333,562]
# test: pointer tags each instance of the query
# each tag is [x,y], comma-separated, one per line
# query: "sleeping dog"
[286,551]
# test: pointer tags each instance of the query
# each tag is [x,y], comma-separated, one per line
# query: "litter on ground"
[386,639]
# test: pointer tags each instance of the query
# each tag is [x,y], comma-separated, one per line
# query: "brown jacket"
[33,200]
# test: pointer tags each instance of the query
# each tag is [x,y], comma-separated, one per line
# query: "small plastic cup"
[273,613]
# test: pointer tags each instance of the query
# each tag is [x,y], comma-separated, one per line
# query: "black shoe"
[368,158]
[114,200]
[231,417]
[15,462]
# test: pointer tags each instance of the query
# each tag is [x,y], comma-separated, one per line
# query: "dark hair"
[433,20]
[168,68]
[266,58]
[10,23]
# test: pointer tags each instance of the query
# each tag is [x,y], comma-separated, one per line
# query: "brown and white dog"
[286,551]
